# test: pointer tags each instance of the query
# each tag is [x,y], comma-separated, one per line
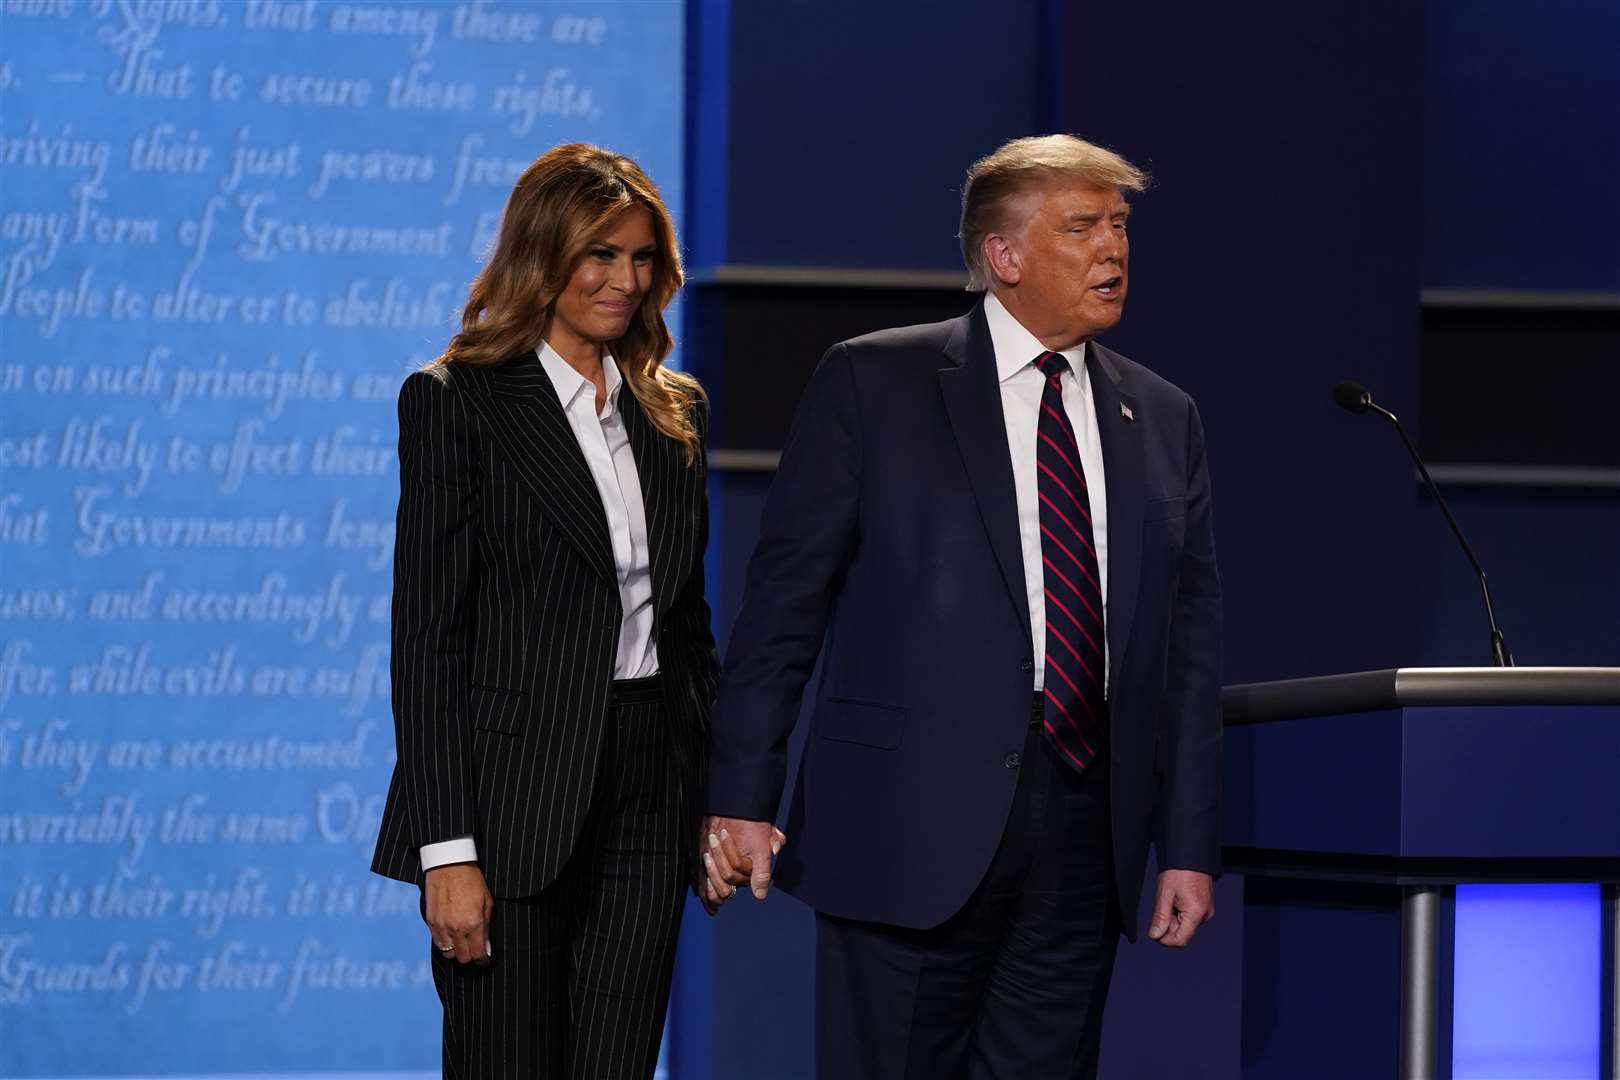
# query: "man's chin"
[1102,317]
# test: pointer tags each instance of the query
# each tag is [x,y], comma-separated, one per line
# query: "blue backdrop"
[1316,169]
[229,230]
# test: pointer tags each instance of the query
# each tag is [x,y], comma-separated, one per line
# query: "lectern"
[1356,803]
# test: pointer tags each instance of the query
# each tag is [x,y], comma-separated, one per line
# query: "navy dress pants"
[1012,985]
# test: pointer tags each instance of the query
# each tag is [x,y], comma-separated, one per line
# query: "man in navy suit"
[996,535]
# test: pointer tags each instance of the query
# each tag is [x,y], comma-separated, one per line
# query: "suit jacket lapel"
[972,395]
[520,404]
[664,490]
[1124,465]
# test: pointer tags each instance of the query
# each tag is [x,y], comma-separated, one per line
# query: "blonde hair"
[560,204]
[995,181]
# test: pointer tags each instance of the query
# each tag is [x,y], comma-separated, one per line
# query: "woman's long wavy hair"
[568,197]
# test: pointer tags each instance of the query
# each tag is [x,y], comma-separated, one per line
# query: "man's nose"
[1113,245]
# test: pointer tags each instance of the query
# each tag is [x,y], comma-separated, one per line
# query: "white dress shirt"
[1021,387]
[606,446]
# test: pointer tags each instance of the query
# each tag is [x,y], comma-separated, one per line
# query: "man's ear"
[1001,258]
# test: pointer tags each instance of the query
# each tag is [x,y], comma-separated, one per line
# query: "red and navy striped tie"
[1074,718]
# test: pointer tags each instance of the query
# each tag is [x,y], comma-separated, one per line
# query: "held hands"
[737,853]
[1185,901]
[458,910]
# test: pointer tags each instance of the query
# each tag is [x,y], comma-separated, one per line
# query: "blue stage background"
[197,374]
[1298,213]
[229,231]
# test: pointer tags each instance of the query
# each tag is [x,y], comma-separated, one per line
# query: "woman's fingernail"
[776,849]
[714,841]
[708,860]
[725,834]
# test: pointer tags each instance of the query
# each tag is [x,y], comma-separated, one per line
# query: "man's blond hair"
[995,182]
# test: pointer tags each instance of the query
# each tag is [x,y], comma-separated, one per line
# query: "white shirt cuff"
[460,850]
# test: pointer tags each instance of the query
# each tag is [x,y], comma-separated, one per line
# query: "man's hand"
[737,853]
[458,910]
[1185,901]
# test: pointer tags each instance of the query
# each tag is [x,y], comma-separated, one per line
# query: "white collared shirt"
[1021,387]
[606,446]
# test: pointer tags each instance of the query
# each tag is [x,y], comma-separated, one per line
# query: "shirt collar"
[1016,348]
[570,383]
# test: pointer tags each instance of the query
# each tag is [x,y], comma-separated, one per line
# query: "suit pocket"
[1165,509]
[496,709]
[863,722]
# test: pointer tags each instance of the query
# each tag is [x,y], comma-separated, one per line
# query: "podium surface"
[1354,805]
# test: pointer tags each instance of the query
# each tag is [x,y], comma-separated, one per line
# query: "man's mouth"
[1108,288]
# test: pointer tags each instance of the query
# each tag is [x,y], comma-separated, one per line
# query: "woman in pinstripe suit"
[553,665]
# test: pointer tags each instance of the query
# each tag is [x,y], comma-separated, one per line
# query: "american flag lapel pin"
[1125,411]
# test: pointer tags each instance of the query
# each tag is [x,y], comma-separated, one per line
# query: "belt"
[644,691]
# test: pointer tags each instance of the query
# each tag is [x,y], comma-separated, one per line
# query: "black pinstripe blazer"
[506,620]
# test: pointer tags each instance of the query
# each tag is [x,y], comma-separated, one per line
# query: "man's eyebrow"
[1090,217]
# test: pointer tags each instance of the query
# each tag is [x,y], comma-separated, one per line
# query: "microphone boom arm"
[1499,652]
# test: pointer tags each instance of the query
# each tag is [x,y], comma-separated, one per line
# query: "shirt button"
[1011,761]
[1027,666]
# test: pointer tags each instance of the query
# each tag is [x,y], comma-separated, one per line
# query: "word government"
[104,531]
[269,237]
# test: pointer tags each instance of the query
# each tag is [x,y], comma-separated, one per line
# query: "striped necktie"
[1075,720]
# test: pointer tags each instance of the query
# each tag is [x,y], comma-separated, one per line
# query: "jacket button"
[1027,666]
[1011,761]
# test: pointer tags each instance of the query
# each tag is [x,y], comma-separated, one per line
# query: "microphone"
[1355,398]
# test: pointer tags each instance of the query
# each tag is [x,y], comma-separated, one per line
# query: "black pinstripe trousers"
[579,979]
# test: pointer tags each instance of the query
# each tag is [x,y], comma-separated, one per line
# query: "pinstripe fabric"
[506,624]
[581,977]
[506,620]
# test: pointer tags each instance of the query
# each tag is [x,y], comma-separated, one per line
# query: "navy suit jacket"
[890,549]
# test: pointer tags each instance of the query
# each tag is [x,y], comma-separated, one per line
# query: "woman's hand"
[733,861]
[458,910]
